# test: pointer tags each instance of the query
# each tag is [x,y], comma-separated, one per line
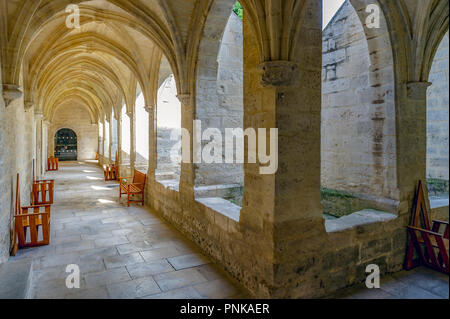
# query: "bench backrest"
[139,178]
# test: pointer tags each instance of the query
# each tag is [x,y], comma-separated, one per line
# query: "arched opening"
[168,126]
[126,135]
[142,132]
[438,127]
[66,145]
[358,116]
[220,109]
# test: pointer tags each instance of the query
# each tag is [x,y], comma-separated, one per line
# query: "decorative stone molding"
[184,98]
[417,90]
[11,92]
[279,73]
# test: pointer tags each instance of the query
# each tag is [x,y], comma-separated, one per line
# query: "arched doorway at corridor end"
[66,145]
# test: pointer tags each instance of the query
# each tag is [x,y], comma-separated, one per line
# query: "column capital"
[417,90]
[11,92]
[28,105]
[38,114]
[185,98]
[149,108]
[279,73]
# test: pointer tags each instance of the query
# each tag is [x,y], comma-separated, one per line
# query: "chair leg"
[128,199]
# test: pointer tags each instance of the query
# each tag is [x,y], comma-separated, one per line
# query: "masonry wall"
[165,164]
[358,119]
[437,115]
[77,119]
[16,155]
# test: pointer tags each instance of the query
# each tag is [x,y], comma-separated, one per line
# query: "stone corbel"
[279,74]
[184,98]
[417,90]
[11,92]
[28,105]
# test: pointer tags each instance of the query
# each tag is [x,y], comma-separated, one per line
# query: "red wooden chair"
[31,224]
[134,188]
[431,244]
[52,164]
[42,191]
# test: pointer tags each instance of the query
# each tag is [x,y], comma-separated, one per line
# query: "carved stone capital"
[417,90]
[279,74]
[28,105]
[38,114]
[11,92]
[149,108]
[184,98]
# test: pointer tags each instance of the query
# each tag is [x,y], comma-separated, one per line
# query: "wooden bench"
[135,188]
[429,241]
[111,171]
[42,191]
[31,224]
[52,164]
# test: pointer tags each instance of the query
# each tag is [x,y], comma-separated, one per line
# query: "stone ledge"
[222,206]
[172,184]
[363,217]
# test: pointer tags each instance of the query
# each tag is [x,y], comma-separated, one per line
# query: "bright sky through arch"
[330,7]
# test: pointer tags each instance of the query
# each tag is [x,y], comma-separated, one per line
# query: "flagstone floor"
[121,252]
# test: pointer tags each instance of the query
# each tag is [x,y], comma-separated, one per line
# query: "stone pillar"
[282,217]
[132,116]
[103,141]
[187,178]
[119,139]
[110,140]
[153,142]
[40,162]
[412,141]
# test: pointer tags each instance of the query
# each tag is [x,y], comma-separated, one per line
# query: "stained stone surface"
[122,252]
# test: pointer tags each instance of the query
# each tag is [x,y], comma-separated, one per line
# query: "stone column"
[103,141]
[153,142]
[187,178]
[40,162]
[132,116]
[110,140]
[119,141]
[282,218]
[412,140]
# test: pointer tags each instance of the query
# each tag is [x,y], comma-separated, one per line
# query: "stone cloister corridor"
[281,153]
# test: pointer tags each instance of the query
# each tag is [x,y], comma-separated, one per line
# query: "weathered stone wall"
[220,97]
[77,119]
[437,115]
[16,155]
[358,122]
[165,164]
